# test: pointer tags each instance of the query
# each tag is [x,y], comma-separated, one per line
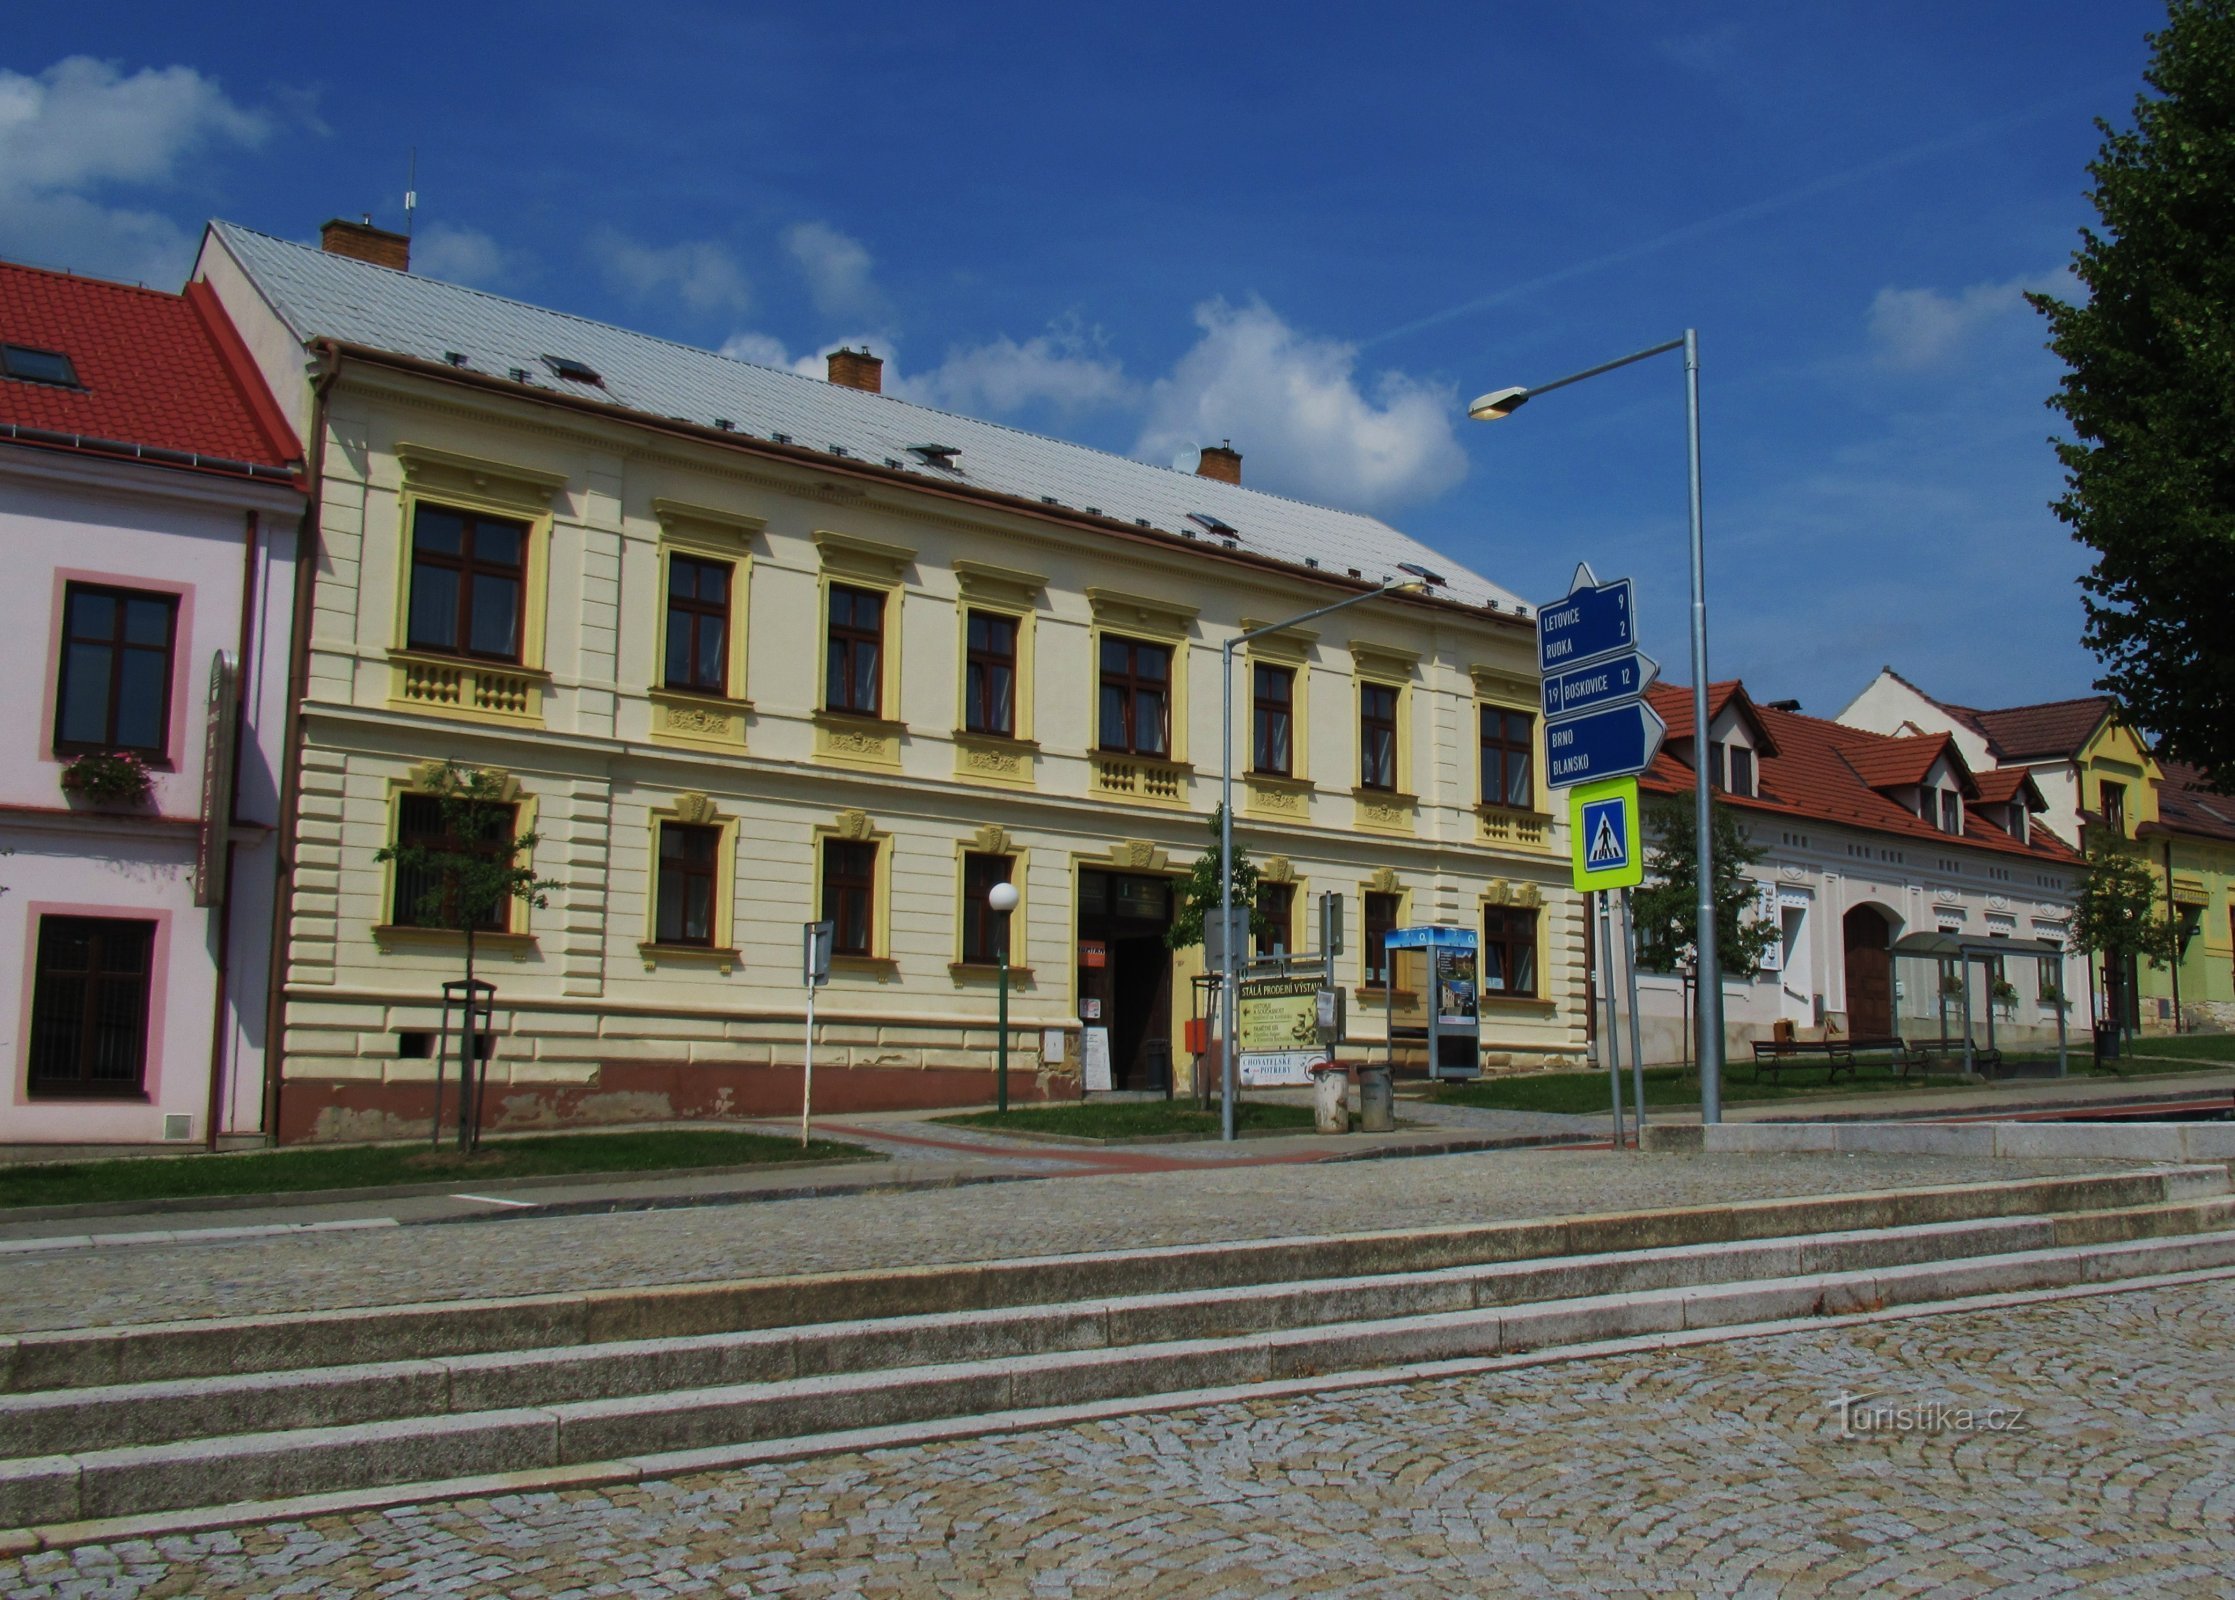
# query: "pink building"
[150,502]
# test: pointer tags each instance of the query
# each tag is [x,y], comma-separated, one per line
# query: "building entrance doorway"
[1870,975]
[1125,974]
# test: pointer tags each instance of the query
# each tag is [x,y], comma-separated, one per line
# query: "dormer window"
[1951,812]
[1742,770]
[2017,821]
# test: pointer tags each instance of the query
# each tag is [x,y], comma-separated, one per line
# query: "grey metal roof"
[338,297]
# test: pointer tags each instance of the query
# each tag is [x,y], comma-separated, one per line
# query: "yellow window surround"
[846,737]
[994,840]
[1013,594]
[689,716]
[510,693]
[696,809]
[1155,780]
[853,826]
[517,937]
[1275,796]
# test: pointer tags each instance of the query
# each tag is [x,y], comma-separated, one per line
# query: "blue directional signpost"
[1599,734]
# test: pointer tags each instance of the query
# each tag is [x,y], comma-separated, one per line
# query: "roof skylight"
[936,455]
[1203,519]
[573,371]
[27,365]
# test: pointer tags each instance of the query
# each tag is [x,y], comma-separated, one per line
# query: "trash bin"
[2106,1042]
[1377,1098]
[1331,1098]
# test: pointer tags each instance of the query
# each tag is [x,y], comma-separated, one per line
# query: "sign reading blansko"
[1615,743]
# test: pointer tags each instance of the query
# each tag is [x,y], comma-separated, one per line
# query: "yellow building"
[749,649]
[2191,840]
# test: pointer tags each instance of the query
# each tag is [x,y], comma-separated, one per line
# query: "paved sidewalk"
[1713,1470]
[1112,1209]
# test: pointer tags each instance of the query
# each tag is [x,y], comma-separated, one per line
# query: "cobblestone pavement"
[1715,1470]
[530,1255]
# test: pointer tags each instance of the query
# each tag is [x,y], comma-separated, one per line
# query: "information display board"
[1277,1022]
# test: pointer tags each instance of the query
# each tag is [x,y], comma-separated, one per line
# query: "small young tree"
[1666,906]
[2117,916]
[1198,893]
[474,869]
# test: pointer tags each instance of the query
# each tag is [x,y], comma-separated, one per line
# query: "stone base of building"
[2208,1016]
[317,1110]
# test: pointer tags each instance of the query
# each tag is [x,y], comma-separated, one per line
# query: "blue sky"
[1314,229]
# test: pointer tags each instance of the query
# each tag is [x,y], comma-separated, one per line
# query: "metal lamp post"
[1001,899]
[1229,974]
[1503,403]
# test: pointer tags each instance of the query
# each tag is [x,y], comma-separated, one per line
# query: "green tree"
[2117,916]
[1198,893]
[2150,394]
[1666,906]
[476,867]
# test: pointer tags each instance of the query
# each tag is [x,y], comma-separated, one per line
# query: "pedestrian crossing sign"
[1603,825]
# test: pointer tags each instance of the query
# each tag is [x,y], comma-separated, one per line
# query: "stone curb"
[930,1431]
[2186,1142]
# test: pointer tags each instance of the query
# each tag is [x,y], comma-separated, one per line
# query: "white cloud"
[701,274]
[836,267]
[1913,330]
[460,255]
[761,349]
[1295,407]
[1062,367]
[82,126]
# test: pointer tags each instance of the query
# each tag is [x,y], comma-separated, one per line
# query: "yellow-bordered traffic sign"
[1603,829]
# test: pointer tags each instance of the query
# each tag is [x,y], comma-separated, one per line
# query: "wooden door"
[1870,980]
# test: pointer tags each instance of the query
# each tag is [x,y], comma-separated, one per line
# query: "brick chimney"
[857,369]
[364,242]
[1220,461]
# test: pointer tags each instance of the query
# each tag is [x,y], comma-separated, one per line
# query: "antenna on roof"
[411,190]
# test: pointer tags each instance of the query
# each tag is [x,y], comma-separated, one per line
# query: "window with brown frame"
[983,928]
[989,693]
[1509,951]
[1377,736]
[2114,807]
[1951,812]
[698,609]
[113,691]
[419,822]
[1381,921]
[1508,758]
[1272,719]
[468,584]
[1276,904]
[690,854]
[855,679]
[89,1007]
[1136,696]
[850,896]
[1742,770]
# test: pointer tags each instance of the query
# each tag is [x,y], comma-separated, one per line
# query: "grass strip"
[1134,1119]
[301,1169]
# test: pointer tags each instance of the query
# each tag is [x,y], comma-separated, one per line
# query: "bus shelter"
[1946,950]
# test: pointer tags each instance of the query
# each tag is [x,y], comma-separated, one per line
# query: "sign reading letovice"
[1591,620]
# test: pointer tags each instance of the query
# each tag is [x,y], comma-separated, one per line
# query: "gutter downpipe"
[291,760]
[2173,919]
[250,592]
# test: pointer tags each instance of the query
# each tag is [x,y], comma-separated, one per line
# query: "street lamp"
[1229,974]
[1001,899]
[1503,403]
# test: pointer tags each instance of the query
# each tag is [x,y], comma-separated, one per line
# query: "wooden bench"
[1918,1052]
[1774,1055]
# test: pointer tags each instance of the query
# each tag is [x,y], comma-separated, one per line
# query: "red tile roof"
[1815,775]
[164,371]
[1903,761]
[2187,804]
[2053,728]
[1998,786]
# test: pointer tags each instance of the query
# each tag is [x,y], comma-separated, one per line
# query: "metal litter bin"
[1331,1098]
[1377,1098]
[2106,1042]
